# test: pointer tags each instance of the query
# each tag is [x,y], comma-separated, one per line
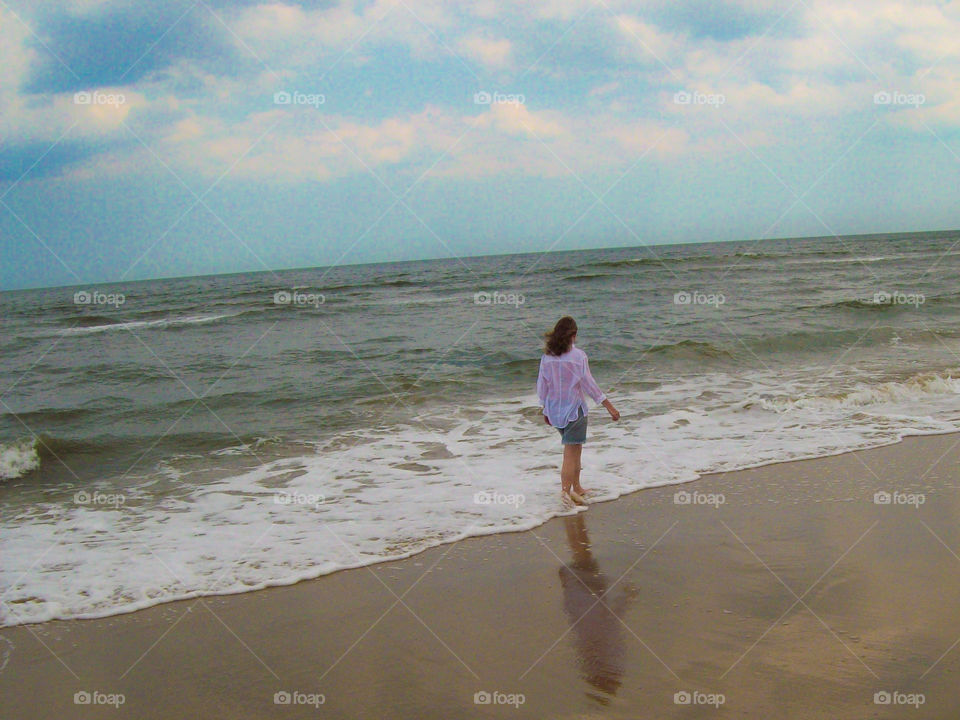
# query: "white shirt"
[563,385]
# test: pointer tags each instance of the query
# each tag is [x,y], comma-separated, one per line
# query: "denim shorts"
[574,432]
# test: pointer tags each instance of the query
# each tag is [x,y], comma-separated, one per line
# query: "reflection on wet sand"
[597,630]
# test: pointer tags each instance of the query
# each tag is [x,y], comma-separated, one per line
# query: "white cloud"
[646,42]
[758,102]
[516,119]
[604,89]
[15,56]
[28,118]
[285,35]
[494,54]
[275,25]
[876,30]
[557,9]
[503,138]
[645,136]
[773,87]
[938,93]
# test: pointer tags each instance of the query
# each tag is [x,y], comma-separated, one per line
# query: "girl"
[562,384]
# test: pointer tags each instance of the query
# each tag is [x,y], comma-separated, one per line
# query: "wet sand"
[784,591]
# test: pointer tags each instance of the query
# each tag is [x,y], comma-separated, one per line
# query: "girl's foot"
[577,497]
[580,491]
[566,499]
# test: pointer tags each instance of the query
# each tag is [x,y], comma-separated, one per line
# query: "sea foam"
[389,492]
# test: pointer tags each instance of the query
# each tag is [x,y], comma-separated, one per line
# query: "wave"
[855,304]
[715,257]
[757,254]
[870,259]
[146,324]
[632,262]
[916,387]
[18,458]
[394,283]
[588,276]
[891,301]
[43,416]
[28,453]
[791,342]
[818,341]
[50,447]
[373,500]
[760,255]
[92,320]
[691,348]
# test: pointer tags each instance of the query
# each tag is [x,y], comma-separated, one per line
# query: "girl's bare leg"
[569,469]
[576,478]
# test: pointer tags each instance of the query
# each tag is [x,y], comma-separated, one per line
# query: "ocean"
[209,435]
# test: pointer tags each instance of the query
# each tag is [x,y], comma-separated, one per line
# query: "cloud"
[928,104]
[604,89]
[285,35]
[494,54]
[271,27]
[122,43]
[202,110]
[647,137]
[647,42]
[32,120]
[513,118]
[291,145]
[564,10]
[16,56]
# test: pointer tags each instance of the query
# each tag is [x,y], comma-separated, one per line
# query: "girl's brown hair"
[558,340]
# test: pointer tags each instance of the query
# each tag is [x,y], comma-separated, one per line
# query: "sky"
[160,139]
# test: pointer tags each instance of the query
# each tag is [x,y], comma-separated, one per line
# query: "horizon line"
[471,256]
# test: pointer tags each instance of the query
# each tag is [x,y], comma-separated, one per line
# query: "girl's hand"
[546,419]
[614,413]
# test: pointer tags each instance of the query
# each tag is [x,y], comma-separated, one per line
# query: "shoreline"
[796,596]
[195,595]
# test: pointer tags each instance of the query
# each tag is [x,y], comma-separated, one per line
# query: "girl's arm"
[543,387]
[589,385]
[593,390]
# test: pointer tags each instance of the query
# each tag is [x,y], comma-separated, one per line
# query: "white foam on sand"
[387,493]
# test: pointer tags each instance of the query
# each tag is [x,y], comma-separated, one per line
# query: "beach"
[288,290]
[791,590]
[211,436]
